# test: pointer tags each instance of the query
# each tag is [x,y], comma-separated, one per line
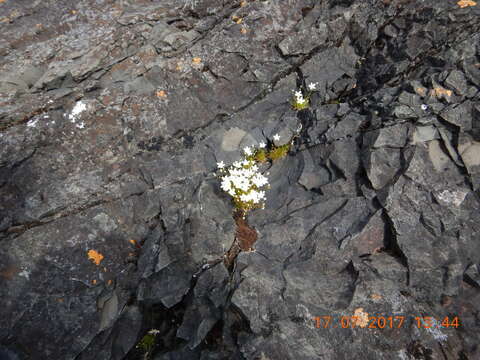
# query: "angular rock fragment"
[456,81]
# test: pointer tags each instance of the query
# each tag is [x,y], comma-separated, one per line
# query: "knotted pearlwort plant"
[244,182]
[301,101]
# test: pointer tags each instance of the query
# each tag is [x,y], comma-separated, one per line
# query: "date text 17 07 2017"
[382,322]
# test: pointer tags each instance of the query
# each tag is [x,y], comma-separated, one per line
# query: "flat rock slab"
[113,226]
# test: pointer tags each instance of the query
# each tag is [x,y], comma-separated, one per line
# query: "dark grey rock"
[139,86]
[404,112]
[459,115]
[210,295]
[469,152]
[302,42]
[391,136]
[423,134]
[327,66]
[374,211]
[312,176]
[473,274]
[382,165]
[456,81]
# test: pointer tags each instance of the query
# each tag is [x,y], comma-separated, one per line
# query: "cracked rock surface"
[113,115]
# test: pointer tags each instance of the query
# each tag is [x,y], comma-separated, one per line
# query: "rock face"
[113,115]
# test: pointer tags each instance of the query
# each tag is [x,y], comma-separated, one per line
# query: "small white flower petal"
[220,164]
[276,137]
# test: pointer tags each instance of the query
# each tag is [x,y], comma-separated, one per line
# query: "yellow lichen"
[465,3]
[95,256]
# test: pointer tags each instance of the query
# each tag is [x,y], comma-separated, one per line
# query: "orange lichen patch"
[196,60]
[440,91]
[465,3]
[1,1]
[161,93]
[74,12]
[360,318]
[237,19]
[60,300]
[95,256]
[94,281]
[421,91]
[376,297]
[243,3]
[243,30]
[109,282]
[135,243]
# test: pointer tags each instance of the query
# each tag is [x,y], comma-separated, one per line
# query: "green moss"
[334,101]
[261,156]
[300,106]
[279,152]
[147,343]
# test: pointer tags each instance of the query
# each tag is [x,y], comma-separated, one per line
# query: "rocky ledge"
[113,227]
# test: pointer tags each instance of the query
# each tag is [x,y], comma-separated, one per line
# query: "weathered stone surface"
[460,115]
[456,81]
[113,116]
[382,165]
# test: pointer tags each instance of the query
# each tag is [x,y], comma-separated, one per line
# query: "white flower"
[262,145]
[299,99]
[259,180]
[244,182]
[221,164]
[424,107]
[253,196]
[154,332]
[276,137]
[312,86]
[247,150]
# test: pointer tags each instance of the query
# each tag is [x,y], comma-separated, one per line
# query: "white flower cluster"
[299,99]
[244,182]
[301,102]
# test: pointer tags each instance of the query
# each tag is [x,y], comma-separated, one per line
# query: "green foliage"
[300,105]
[261,156]
[279,152]
[148,343]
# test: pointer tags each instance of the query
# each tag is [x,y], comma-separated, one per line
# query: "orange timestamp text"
[382,322]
